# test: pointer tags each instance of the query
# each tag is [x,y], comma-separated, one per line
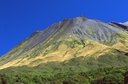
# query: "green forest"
[98,76]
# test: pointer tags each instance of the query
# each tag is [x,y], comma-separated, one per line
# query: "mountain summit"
[78,38]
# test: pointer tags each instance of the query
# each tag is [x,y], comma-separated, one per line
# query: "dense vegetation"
[99,76]
[106,69]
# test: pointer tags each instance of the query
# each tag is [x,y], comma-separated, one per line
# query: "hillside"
[71,46]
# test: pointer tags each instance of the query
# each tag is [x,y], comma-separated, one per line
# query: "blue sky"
[20,18]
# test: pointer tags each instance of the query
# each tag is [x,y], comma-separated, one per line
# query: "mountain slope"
[69,39]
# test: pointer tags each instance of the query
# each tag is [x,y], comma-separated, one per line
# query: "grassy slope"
[106,69]
[99,76]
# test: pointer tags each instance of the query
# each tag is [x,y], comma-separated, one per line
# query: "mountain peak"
[66,40]
[82,17]
[73,46]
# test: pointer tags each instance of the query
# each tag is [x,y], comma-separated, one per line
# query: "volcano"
[72,45]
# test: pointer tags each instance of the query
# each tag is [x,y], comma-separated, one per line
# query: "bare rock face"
[79,27]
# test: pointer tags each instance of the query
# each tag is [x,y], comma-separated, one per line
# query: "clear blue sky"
[20,18]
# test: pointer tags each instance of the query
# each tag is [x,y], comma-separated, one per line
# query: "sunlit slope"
[63,41]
